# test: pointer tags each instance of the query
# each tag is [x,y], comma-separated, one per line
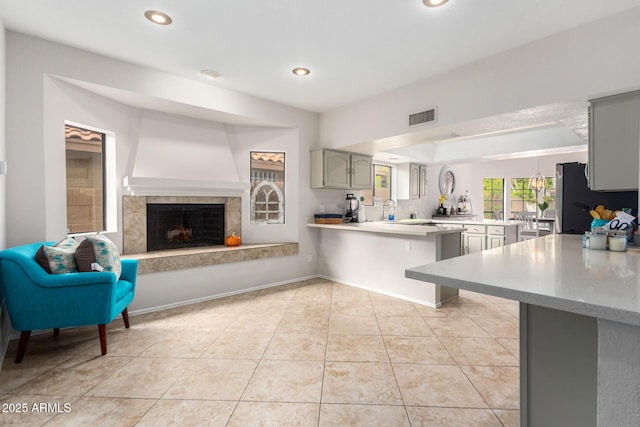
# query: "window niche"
[85,173]
[267,187]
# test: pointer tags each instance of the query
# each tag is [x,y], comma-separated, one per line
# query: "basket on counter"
[327,218]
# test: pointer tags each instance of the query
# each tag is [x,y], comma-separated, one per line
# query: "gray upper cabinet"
[423,181]
[614,142]
[412,181]
[361,173]
[341,170]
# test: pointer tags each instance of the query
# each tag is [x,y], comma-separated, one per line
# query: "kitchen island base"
[374,256]
[558,365]
[579,325]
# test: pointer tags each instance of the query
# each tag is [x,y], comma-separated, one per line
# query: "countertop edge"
[390,228]
[572,306]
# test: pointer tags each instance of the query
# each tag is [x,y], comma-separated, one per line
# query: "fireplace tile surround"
[134,217]
[134,220]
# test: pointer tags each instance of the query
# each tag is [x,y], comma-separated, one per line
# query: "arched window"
[267,204]
[267,188]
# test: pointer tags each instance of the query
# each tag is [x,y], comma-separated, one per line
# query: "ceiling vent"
[422,117]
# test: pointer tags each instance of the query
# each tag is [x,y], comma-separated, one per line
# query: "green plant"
[543,206]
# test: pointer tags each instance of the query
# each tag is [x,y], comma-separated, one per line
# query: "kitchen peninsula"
[479,234]
[579,325]
[374,255]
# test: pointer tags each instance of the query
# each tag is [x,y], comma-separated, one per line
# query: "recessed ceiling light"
[158,17]
[301,71]
[434,3]
[210,74]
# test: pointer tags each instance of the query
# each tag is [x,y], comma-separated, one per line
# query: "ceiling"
[355,49]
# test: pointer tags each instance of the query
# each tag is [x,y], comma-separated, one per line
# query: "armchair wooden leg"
[102,330]
[56,332]
[22,346]
[125,317]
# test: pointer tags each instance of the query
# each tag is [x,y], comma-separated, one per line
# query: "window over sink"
[381,184]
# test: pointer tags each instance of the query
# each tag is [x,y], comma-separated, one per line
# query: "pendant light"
[537,184]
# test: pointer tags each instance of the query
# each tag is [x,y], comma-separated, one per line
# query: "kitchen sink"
[413,221]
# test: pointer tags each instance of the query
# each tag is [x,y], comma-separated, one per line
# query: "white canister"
[598,241]
[618,243]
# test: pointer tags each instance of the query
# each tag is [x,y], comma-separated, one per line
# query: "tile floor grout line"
[326,352]
[288,304]
[393,370]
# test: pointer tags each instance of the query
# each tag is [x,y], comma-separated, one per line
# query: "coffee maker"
[351,214]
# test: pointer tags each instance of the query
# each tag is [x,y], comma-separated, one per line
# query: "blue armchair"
[38,300]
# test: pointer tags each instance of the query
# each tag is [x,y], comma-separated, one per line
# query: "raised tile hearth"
[134,219]
[180,259]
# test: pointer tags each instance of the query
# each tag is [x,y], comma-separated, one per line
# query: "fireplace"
[184,225]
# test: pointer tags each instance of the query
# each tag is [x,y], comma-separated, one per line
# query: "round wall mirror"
[447,181]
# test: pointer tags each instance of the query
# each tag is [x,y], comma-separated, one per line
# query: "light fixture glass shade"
[210,74]
[434,3]
[158,17]
[301,71]
[537,182]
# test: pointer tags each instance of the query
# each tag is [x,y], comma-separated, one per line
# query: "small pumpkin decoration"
[233,240]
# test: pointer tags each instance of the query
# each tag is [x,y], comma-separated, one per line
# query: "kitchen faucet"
[388,210]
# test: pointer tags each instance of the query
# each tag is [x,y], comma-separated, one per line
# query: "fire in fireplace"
[184,225]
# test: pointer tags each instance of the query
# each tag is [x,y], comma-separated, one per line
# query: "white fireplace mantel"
[144,186]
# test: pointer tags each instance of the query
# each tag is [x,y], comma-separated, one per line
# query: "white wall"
[38,103]
[469,176]
[171,146]
[63,101]
[4,317]
[31,97]
[3,155]
[592,60]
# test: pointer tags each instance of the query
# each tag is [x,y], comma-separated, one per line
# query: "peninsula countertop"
[460,221]
[384,227]
[553,271]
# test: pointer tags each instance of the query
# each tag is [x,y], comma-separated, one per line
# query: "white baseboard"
[378,291]
[222,295]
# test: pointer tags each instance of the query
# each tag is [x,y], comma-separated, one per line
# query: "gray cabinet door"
[337,169]
[614,141]
[475,242]
[423,181]
[361,173]
[495,241]
[414,181]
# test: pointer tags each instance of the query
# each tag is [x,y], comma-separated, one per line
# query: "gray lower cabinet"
[475,242]
[477,238]
[559,368]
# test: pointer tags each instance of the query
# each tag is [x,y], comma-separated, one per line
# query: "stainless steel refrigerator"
[573,197]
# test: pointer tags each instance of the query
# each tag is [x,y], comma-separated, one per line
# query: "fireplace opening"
[184,225]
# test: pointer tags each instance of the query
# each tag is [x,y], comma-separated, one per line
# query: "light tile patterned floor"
[315,353]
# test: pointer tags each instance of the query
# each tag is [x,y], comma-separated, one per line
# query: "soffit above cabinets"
[544,130]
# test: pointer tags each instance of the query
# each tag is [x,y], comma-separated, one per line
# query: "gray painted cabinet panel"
[614,142]
[340,170]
